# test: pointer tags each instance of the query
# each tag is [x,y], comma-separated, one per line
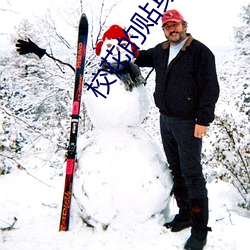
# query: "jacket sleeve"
[145,58]
[208,87]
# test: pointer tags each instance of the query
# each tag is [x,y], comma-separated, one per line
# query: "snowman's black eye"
[109,45]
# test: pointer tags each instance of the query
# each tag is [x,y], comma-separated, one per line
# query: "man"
[186,93]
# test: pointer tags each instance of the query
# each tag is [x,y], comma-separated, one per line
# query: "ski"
[71,160]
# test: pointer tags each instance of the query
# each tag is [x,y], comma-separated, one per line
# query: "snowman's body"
[122,177]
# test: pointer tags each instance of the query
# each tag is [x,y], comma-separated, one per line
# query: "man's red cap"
[171,16]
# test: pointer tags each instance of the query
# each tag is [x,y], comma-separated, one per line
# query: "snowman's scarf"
[130,74]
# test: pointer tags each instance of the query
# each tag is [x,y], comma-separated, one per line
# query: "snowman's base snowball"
[122,177]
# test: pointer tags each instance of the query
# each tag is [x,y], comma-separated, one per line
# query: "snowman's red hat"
[114,32]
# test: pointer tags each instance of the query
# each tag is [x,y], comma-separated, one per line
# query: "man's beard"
[182,36]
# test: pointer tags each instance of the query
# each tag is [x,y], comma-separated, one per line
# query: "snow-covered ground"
[37,208]
[31,198]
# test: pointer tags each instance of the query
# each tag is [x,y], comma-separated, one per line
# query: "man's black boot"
[197,240]
[199,215]
[181,220]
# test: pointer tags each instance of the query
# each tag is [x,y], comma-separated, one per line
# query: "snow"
[120,108]
[37,208]
[124,181]
[128,194]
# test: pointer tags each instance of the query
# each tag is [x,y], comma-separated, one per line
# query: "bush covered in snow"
[230,139]
[35,101]
[36,95]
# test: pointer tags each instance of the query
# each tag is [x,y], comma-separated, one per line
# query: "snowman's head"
[109,42]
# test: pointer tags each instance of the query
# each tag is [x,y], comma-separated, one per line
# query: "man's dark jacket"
[187,88]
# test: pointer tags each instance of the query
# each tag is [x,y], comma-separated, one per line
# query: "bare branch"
[10,227]
[19,166]
[57,60]
[8,11]
[102,23]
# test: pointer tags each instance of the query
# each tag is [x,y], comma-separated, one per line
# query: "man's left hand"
[200,131]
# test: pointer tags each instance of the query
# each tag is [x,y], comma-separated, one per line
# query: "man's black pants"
[183,152]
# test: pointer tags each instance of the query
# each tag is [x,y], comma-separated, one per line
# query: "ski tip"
[84,16]
[84,19]
[83,24]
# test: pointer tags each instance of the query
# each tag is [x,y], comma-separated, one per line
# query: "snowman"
[122,178]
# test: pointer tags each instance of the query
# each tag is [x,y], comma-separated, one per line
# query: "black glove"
[135,73]
[24,47]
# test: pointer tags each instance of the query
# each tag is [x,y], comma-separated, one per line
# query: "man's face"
[174,32]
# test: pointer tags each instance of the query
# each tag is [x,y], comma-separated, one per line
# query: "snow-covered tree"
[36,95]
[242,33]
[230,154]
[34,104]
